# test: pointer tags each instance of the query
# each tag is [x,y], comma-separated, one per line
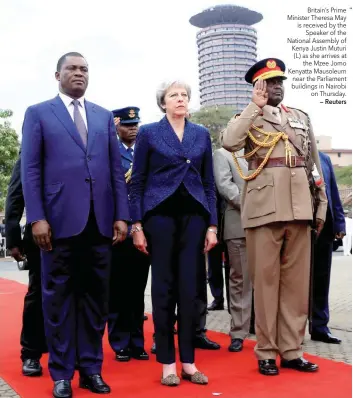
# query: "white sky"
[132,46]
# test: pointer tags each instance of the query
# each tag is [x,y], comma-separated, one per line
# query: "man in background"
[32,335]
[230,185]
[129,272]
[334,227]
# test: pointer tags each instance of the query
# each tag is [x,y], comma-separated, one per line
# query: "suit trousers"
[75,282]
[279,263]
[215,272]
[32,339]
[175,232]
[321,277]
[240,289]
[128,279]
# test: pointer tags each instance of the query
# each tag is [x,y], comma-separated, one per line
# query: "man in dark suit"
[32,335]
[334,227]
[215,265]
[129,266]
[76,200]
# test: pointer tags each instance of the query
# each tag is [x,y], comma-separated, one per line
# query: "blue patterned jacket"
[162,163]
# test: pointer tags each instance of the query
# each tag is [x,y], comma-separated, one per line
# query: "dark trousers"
[201,299]
[128,279]
[32,335]
[215,272]
[75,283]
[175,232]
[321,278]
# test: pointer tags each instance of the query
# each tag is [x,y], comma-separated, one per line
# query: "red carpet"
[231,375]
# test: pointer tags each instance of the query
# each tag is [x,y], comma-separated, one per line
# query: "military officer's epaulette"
[288,108]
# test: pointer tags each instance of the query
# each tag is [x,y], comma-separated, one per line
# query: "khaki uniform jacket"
[277,193]
[230,186]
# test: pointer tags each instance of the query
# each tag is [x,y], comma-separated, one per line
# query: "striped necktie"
[79,122]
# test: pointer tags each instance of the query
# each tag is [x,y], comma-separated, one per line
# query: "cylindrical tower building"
[226,49]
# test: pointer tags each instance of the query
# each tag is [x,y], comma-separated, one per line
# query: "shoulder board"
[296,109]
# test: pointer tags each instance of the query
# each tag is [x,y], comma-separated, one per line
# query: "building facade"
[339,157]
[226,50]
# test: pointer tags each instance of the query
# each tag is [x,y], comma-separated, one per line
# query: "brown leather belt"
[296,161]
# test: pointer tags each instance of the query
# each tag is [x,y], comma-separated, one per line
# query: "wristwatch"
[214,230]
[135,228]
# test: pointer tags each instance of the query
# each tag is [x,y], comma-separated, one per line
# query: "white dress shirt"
[70,106]
[132,147]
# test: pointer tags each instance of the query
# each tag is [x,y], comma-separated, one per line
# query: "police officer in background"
[129,271]
[277,208]
[25,250]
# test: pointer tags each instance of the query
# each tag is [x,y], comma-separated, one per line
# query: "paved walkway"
[340,306]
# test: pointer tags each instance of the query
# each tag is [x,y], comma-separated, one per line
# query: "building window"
[339,154]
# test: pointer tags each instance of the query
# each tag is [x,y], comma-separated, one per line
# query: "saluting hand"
[116,120]
[259,95]
[41,232]
[120,231]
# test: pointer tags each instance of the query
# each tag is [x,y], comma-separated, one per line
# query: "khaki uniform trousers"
[279,264]
[240,289]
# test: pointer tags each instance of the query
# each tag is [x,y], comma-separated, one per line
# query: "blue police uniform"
[129,274]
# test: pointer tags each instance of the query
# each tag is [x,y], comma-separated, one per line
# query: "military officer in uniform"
[129,271]
[277,208]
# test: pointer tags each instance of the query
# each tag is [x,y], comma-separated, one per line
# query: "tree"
[9,147]
[215,119]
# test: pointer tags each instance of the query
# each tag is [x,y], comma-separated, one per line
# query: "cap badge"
[271,64]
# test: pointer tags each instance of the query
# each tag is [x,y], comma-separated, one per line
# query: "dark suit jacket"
[126,157]
[334,201]
[59,173]
[14,210]
[162,163]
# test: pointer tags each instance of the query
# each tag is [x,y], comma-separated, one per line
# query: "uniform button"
[256,111]
[89,158]
[293,174]
[188,161]
[87,179]
[259,188]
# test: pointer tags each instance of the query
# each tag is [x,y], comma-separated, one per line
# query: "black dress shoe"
[123,355]
[236,345]
[95,384]
[300,364]
[145,317]
[203,342]
[140,354]
[31,367]
[153,348]
[62,389]
[268,367]
[326,338]
[216,306]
